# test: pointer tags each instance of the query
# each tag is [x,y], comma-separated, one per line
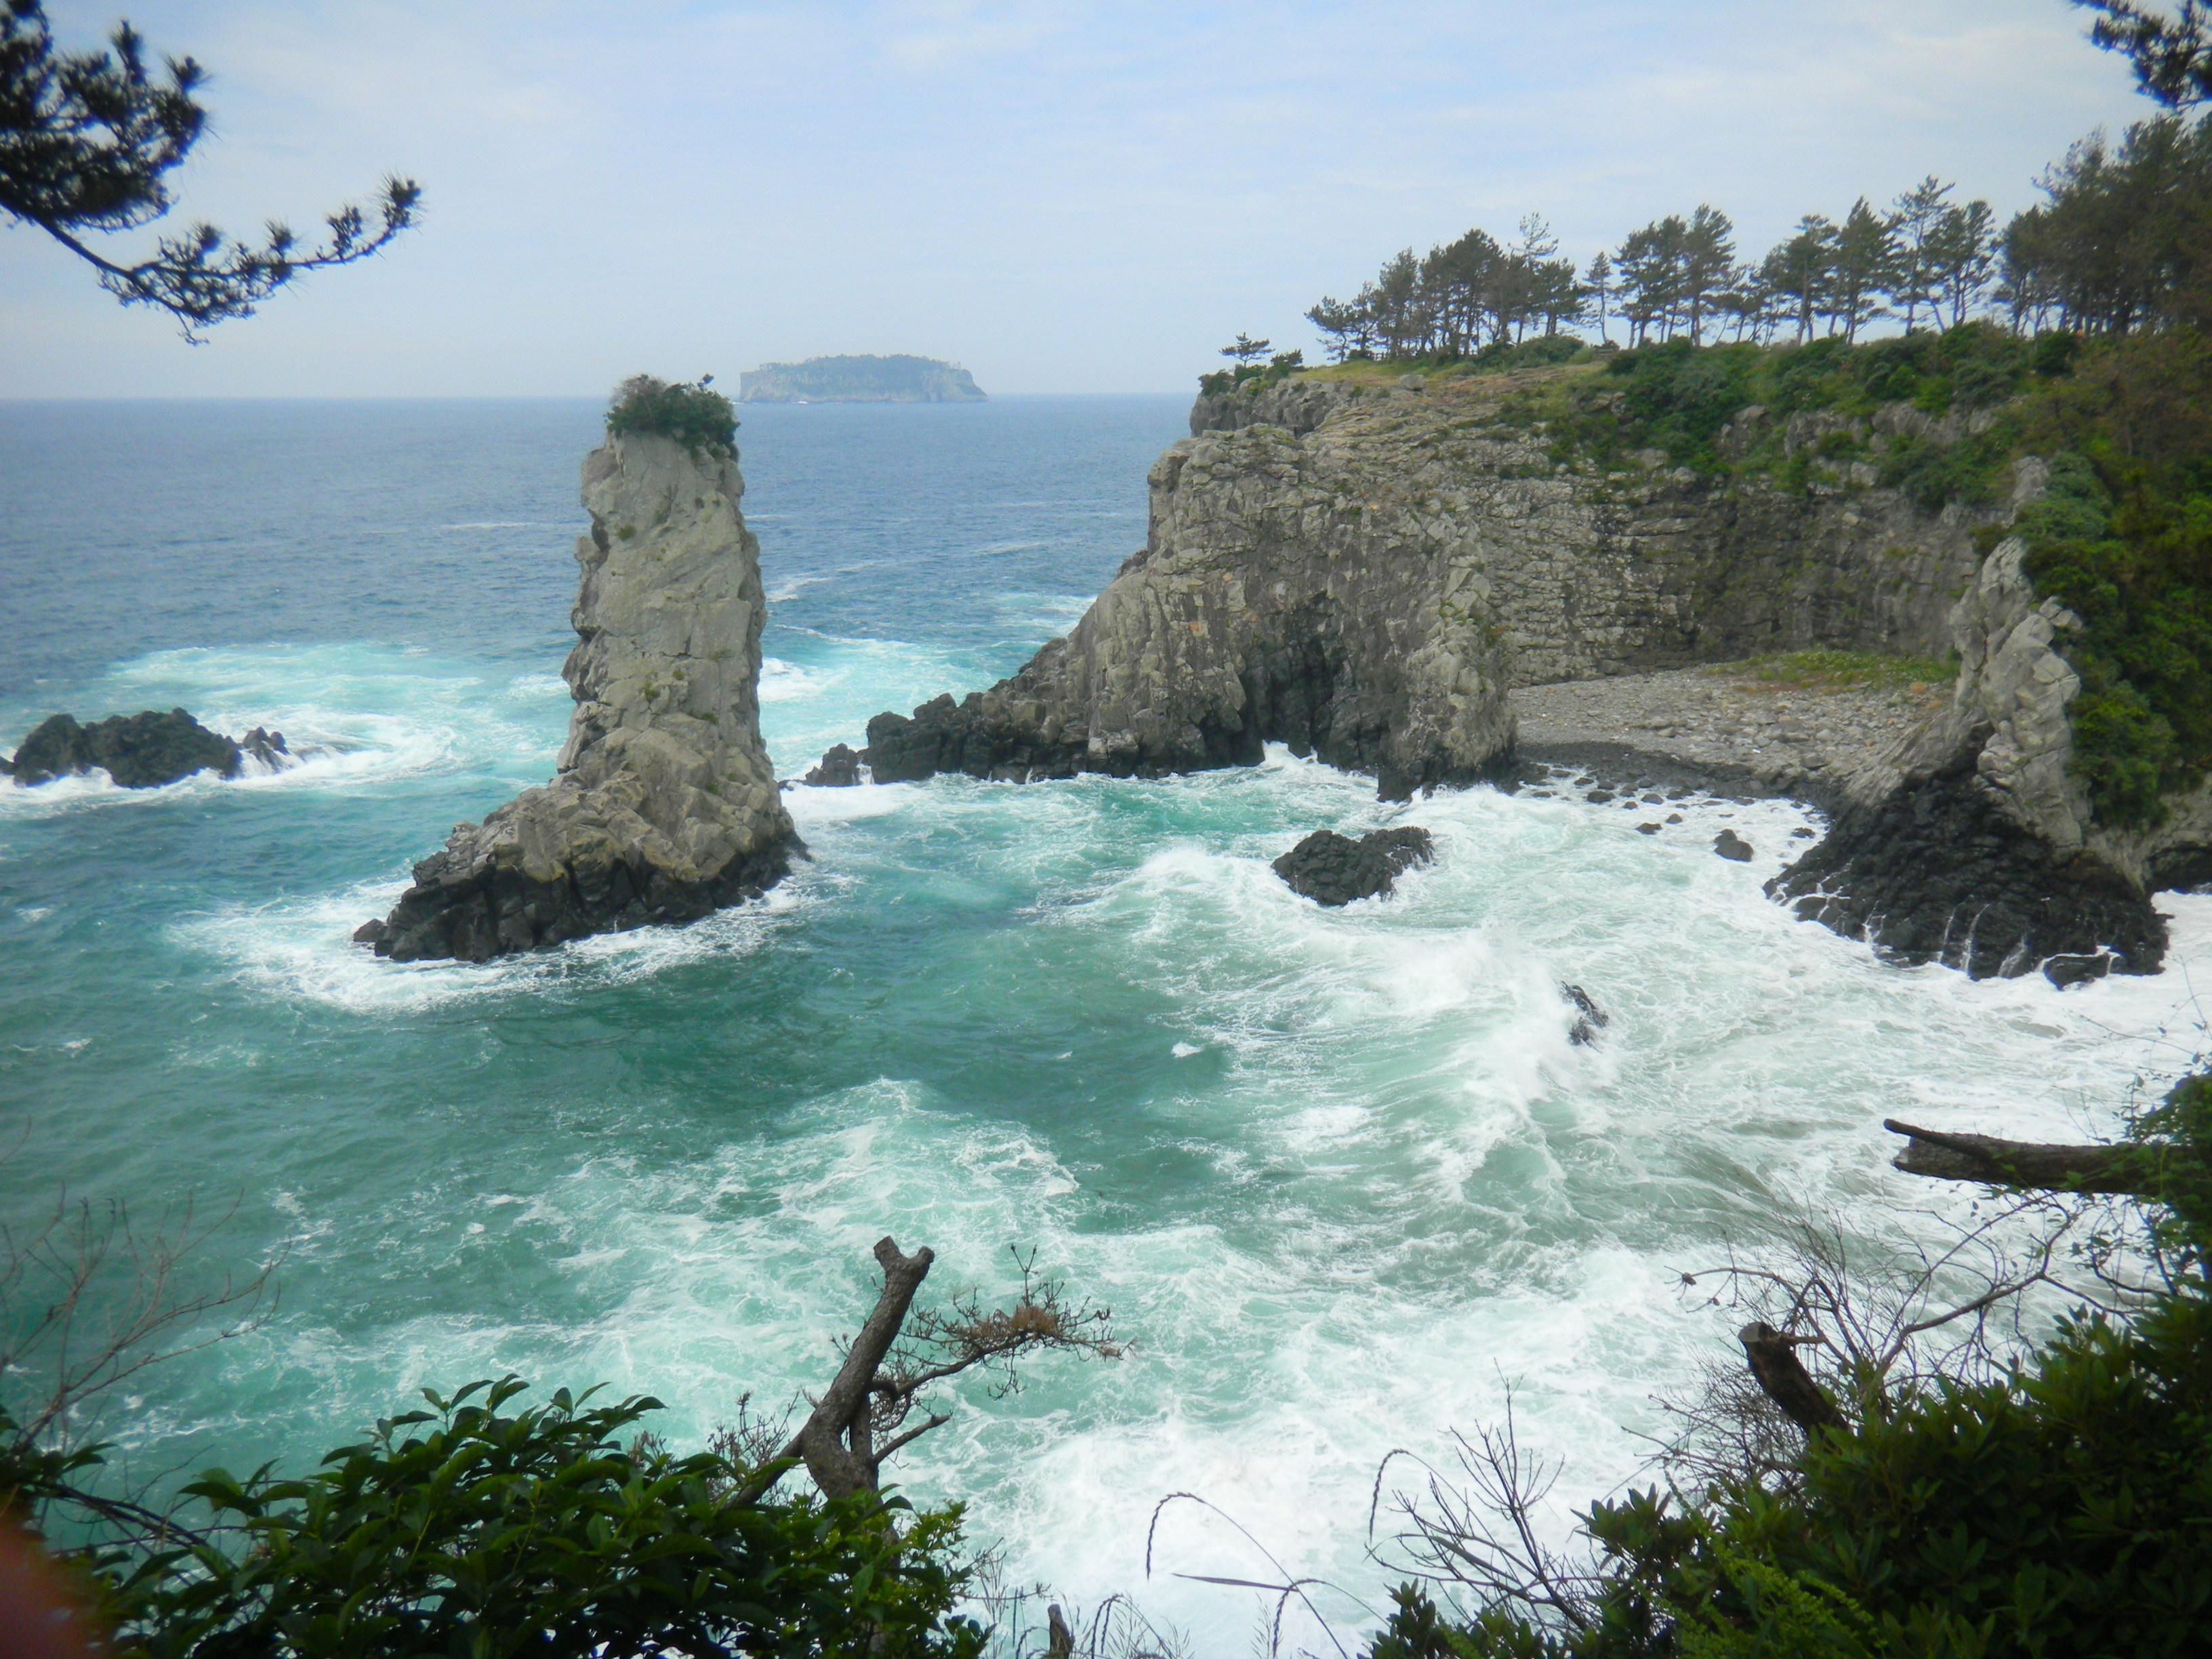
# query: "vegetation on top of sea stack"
[690,411]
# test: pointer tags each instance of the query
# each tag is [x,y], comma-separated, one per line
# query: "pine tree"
[1961,258]
[1600,289]
[1706,259]
[88,142]
[1916,214]
[1799,273]
[1865,265]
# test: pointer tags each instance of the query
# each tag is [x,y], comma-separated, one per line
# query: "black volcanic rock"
[1935,873]
[266,746]
[1331,869]
[839,768]
[139,751]
[1589,1018]
[1730,844]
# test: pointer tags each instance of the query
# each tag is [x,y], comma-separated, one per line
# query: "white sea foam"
[304,950]
[1414,1189]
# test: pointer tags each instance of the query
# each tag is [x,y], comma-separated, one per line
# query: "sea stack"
[665,807]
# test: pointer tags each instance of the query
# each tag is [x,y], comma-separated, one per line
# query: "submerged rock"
[665,807]
[1331,869]
[1589,1018]
[139,751]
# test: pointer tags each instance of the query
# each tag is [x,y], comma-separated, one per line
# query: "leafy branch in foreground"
[88,141]
[485,1527]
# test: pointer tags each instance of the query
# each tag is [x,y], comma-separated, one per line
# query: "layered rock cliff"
[665,807]
[1365,573]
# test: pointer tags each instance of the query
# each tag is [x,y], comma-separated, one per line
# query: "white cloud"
[1064,196]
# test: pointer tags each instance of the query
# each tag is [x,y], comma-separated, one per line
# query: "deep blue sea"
[1340,1176]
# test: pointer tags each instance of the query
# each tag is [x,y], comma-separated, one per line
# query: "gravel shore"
[1735,726]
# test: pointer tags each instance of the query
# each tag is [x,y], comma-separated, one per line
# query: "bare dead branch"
[901,1353]
[2129,1171]
[1774,1364]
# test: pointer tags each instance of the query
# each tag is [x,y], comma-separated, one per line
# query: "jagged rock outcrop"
[665,807]
[138,751]
[1364,573]
[1975,845]
[1334,870]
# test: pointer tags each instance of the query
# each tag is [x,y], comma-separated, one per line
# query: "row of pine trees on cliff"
[2097,256]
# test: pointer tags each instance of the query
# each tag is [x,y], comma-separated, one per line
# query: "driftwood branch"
[1772,1356]
[2121,1171]
[859,1421]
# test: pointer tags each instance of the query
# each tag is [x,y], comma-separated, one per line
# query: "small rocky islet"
[146,750]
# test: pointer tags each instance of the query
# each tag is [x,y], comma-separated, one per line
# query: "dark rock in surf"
[1937,871]
[1333,870]
[1589,1018]
[1730,844]
[138,751]
[266,746]
[839,768]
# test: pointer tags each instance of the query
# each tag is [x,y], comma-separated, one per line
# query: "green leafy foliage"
[2128,548]
[480,1528]
[690,411]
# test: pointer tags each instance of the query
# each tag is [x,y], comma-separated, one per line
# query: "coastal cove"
[1343,1175]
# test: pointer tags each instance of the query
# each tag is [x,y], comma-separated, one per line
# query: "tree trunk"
[2125,1171]
[1777,1368]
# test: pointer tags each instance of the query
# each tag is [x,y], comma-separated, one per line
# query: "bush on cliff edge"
[700,418]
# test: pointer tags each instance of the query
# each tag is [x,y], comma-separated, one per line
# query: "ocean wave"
[303,951]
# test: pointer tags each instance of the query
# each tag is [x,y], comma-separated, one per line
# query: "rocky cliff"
[1365,573]
[665,807]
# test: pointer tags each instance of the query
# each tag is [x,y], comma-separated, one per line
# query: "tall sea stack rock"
[665,807]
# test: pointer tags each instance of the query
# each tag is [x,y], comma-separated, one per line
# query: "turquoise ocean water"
[1342,1177]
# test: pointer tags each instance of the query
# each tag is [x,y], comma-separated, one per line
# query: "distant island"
[860,380]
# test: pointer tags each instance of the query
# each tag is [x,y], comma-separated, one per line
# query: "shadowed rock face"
[665,807]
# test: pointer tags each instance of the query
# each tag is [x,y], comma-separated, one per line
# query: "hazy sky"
[1064,196]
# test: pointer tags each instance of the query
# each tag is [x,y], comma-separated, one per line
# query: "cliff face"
[1364,573]
[1974,845]
[665,807]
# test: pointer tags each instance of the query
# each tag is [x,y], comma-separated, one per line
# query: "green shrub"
[700,418]
[2128,551]
[477,1530]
